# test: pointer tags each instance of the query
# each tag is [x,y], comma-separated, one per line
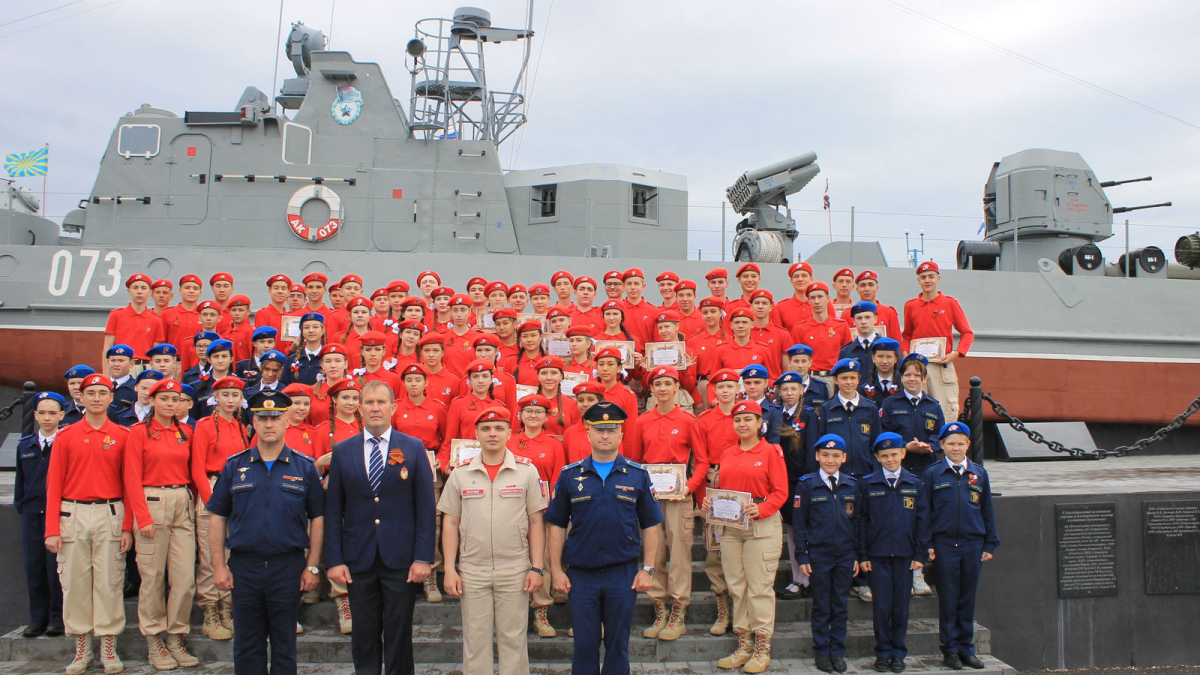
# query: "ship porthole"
[159,268]
[8,265]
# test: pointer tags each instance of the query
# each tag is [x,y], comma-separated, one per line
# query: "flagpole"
[44,184]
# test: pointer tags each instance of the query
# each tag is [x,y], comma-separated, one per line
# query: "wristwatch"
[539,570]
[314,569]
[648,570]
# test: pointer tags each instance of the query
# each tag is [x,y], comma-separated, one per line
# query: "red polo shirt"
[937,318]
[460,350]
[460,422]
[140,331]
[299,437]
[639,321]
[760,471]
[791,311]
[85,464]
[214,440]
[545,451]
[425,421]
[673,438]
[180,324]
[735,356]
[154,456]
[825,337]
[704,344]
[884,316]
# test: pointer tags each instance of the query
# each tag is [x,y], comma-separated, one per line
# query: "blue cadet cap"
[755,370]
[263,332]
[206,335]
[887,345]
[269,403]
[188,391]
[831,441]
[51,396]
[219,346]
[888,440]
[80,370]
[313,316]
[913,356]
[273,355]
[796,350]
[789,376]
[150,375]
[605,415]
[863,306]
[954,428]
[119,350]
[846,366]
[162,350]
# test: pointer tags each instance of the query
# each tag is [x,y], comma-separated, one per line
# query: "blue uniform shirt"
[960,507]
[606,516]
[73,414]
[855,350]
[29,488]
[894,519]
[301,368]
[922,422]
[858,428]
[772,415]
[874,389]
[824,520]
[268,509]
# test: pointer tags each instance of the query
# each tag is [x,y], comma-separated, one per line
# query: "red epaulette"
[523,460]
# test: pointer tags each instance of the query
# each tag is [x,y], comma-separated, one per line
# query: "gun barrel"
[1110,183]
[1127,209]
[778,167]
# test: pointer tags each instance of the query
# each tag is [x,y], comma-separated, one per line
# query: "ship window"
[644,202]
[545,202]
[297,144]
[138,140]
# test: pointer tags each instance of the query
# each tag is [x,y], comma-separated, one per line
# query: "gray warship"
[336,174]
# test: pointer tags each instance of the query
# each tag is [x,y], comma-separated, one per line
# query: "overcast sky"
[906,117]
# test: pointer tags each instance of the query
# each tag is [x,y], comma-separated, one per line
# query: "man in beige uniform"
[493,530]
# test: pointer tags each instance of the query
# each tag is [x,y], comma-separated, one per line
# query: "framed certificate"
[840,308]
[929,347]
[728,508]
[668,480]
[484,321]
[712,537]
[666,354]
[570,381]
[433,465]
[290,328]
[626,348]
[880,331]
[556,344]
[464,450]
[524,390]
[540,318]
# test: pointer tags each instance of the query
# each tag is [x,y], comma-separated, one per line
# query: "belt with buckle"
[114,500]
[167,487]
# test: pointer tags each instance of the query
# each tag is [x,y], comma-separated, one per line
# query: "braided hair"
[174,423]
[557,399]
[299,345]
[333,419]
[217,428]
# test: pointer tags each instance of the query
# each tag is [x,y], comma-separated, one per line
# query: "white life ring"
[300,198]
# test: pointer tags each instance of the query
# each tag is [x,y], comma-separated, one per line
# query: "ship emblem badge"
[348,105]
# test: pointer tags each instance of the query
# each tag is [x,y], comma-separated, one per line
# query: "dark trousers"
[891,588]
[382,603]
[958,569]
[602,598]
[266,606]
[41,571]
[832,572]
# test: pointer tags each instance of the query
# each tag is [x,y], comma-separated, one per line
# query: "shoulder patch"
[635,465]
[574,465]
[302,455]
[24,438]
[523,460]
[237,454]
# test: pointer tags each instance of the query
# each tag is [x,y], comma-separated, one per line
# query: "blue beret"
[954,428]
[796,350]
[150,375]
[188,391]
[51,396]
[313,316]
[846,366]
[219,346]
[274,355]
[831,441]
[888,440]
[263,332]
[886,344]
[913,356]
[789,376]
[206,335]
[755,370]
[80,370]
[162,350]
[863,306]
[119,350]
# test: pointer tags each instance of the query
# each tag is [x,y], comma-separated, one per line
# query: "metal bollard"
[975,399]
[28,426]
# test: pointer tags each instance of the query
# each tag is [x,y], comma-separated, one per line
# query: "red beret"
[208,304]
[561,274]
[844,272]
[430,273]
[612,274]
[549,362]
[238,301]
[724,375]
[190,278]
[477,281]
[335,286]
[95,379]
[526,326]
[590,387]
[664,371]
[413,301]
[535,399]
[410,324]
[539,289]
[480,366]
[816,286]
[712,301]
[517,288]
[351,278]
[633,272]
[459,300]
[718,273]
[397,286]
[504,313]
[344,384]
[742,407]
[315,276]
[359,301]
[800,266]
[220,276]
[612,304]
[432,338]
[762,293]
[555,312]
[229,382]
[609,353]
[668,315]
[685,285]
[378,292]
[414,369]
[332,349]
[748,267]
[298,389]
[866,274]
[373,338]
[667,276]
[295,288]
[496,286]
[138,277]
[584,330]
[741,312]
[162,283]
[585,280]
[928,266]
[279,277]
[442,290]
[488,339]
[494,414]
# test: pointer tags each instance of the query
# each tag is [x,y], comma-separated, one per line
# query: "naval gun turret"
[767,233]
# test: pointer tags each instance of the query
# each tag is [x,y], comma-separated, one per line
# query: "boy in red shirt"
[823,331]
[932,314]
[135,324]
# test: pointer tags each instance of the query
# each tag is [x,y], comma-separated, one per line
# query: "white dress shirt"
[385,441]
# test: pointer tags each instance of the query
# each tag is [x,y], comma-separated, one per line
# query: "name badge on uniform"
[512,491]
[472,493]
[242,486]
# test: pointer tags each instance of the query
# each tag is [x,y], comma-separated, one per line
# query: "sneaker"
[299,628]
[863,593]
[789,592]
[920,586]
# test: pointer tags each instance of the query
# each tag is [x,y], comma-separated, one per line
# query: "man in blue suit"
[379,529]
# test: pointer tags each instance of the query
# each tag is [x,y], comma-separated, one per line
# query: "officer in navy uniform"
[270,499]
[192,376]
[874,387]
[123,392]
[303,366]
[772,412]
[610,507]
[962,536]
[74,412]
[29,496]
[129,415]
[249,369]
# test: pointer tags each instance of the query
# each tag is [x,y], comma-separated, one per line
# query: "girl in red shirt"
[157,478]
[335,364]
[460,419]
[418,415]
[614,325]
[522,367]
[404,349]
[562,411]
[360,324]
[575,441]
[750,557]
[579,340]
[343,422]
[373,347]
[300,435]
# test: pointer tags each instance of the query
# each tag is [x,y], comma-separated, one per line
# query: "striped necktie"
[375,473]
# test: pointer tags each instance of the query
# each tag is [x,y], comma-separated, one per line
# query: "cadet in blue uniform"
[859,347]
[165,359]
[193,375]
[825,524]
[29,496]
[303,363]
[140,407]
[755,381]
[120,360]
[894,522]
[851,417]
[610,506]
[816,391]
[249,369]
[799,422]
[915,415]
[74,377]
[187,399]
[962,536]
[269,513]
[885,353]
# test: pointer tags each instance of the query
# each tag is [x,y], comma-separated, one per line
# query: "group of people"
[505,437]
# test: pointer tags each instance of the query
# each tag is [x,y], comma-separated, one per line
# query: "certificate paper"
[485,320]
[930,347]
[728,508]
[712,537]
[625,347]
[524,390]
[569,382]
[540,318]
[464,450]
[668,480]
[666,354]
[556,344]
[291,328]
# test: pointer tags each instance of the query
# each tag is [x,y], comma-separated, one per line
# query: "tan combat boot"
[157,654]
[721,625]
[212,627]
[83,655]
[660,620]
[542,623]
[761,659]
[432,594]
[180,653]
[345,621]
[740,656]
[675,624]
[108,655]
[225,614]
